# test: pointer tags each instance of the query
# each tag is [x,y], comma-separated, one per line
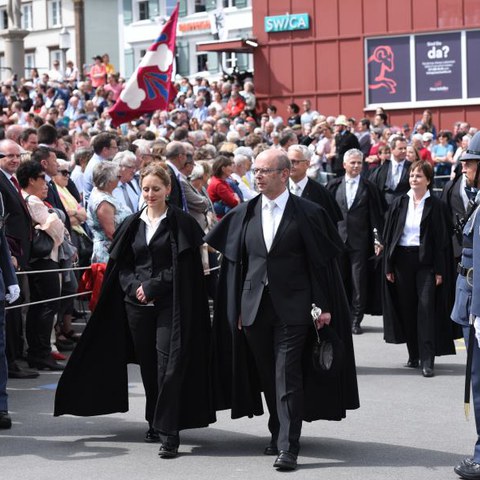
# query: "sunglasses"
[65,173]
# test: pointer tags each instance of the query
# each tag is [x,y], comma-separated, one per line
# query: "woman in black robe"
[417,294]
[153,308]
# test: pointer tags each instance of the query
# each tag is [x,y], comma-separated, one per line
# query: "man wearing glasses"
[279,257]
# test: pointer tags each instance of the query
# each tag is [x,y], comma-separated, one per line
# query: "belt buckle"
[469,277]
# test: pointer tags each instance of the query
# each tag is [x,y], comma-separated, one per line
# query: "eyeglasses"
[10,156]
[65,173]
[297,162]
[265,171]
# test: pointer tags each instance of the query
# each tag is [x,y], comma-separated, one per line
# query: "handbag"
[328,351]
[42,244]
[85,250]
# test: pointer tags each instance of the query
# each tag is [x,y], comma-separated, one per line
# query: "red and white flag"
[148,89]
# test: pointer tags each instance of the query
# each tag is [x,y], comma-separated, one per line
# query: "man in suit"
[280,246]
[391,178]
[18,231]
[9,292]
[362,210]
[302,186]
[176,154]
[344,140]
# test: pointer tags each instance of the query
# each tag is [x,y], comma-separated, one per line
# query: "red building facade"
[328,62]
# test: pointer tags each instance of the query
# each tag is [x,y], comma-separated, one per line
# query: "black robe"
[95,379]
[435,225]
[237,385]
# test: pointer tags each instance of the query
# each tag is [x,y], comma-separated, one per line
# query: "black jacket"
[236,379]
[95,380]
[317,193]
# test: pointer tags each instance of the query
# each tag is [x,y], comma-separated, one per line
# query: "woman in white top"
[417,257]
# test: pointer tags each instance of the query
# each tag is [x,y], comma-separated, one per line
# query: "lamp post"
[64,42]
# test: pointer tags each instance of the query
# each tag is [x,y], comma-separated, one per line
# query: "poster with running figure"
[388,70]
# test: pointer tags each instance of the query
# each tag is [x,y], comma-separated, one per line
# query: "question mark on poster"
[446,50]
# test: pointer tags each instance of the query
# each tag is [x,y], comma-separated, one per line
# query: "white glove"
[14,293]
[476,325]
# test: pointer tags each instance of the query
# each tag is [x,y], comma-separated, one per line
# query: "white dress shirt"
[351,187]
[396,173]
[150,226]
[411,231]
[298,188]
[271,220]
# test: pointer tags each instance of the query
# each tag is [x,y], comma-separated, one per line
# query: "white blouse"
[411,231]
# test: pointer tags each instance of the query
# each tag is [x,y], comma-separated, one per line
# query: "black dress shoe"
[469,470]
[5,420]
[45,364]
[412,363]
[168,450]
[64,345]
[271,450]
[152,436]
[427,368]
[286,461]
[14,371]
[357,330]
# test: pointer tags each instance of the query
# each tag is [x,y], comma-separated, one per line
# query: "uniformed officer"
[466,310]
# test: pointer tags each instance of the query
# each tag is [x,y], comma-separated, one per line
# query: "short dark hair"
[47,134]
[365,122]
[220,162]
[426,168]
[27,170]
[41,153]
[101,141]
[294,107]
[26,133]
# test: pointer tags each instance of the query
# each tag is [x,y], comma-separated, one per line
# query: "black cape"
[237,385]
[445,330]
[95,379]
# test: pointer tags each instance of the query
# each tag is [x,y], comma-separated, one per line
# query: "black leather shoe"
[427,368]
[469,470]
[152,436]
[168,451]
[286,461]
[45,364]
[357,330]
[412,363]
[14,371]
[64,345]
[5,420]
[270,450]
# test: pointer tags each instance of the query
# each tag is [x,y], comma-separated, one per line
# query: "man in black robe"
[279,258]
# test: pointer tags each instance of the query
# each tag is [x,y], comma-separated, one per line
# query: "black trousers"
[278,349]
[151,330]
[415,287]
[40,317]
[354,268]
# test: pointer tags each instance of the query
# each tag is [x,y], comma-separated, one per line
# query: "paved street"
[408,427]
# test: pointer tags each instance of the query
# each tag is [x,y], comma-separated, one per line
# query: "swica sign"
[288,22]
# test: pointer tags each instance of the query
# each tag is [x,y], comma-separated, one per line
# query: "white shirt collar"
[280,201]
[410,194]
[354,179]
[144,217]
[302,183]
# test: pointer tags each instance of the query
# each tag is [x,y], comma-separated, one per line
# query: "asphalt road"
[408,427]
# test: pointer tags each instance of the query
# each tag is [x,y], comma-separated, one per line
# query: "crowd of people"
[356,217]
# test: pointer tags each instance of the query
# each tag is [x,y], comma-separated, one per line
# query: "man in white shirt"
[241,163]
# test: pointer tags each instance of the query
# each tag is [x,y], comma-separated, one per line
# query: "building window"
[229,60]
[3,19]
[27,20]
[143,12]
[29,63]
[202,62]
[200,6]
[55,55]
[229,3]
[54,13]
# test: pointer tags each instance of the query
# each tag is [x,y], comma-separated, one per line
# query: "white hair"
[306,153]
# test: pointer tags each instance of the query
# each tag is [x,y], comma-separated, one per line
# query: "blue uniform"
[467,303]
